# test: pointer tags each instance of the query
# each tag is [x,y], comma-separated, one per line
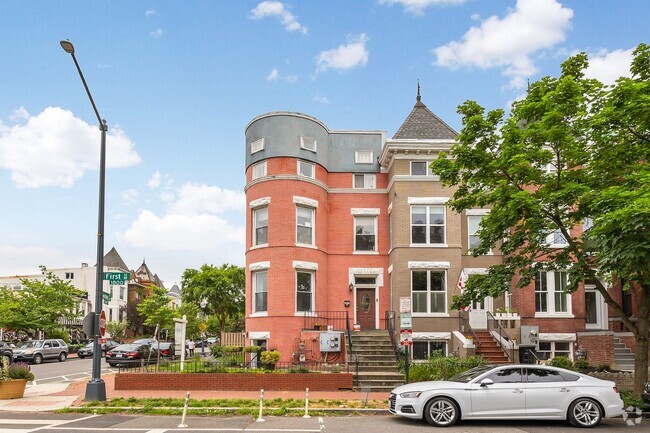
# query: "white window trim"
[311,209]
[477,212]
[428,200]
[365,211]
[358,153]
[551,237]
[254,224]
[254,285]
[305,266]
[313,166]
[445,291]
[550,300]
[259,142]
[371,176]
[305,201]
[259,164]
[302,143]
[428,225]
[354,233]
[429,265]
[376,272]
[259,266]
[313,287]
[469,249]
[259,335]
[260,202]
[259,314]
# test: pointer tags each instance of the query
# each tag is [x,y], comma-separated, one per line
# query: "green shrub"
[252,349]
[232,349]
[217,351]
[581,364]
[20,370]
[60,334]
[562,362]
[439,367]
[336,369]
[270,357]
[603,367]
[629,399]
[299,370]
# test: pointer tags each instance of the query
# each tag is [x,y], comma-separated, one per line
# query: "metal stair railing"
[494,325]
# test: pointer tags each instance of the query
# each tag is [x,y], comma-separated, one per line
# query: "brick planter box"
[233,381]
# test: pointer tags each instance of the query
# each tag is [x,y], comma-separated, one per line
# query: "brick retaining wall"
[233,381]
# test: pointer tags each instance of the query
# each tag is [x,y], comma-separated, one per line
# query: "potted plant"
[270,358]
[500,312]
[13,379]
[317,326]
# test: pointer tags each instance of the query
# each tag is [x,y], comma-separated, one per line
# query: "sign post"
[102,323]
[406,333]
[179,337]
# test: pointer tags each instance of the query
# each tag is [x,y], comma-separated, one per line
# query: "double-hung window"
[260,290]
[363,157]
[306,169]
[308,143]
[473,226]
[257,145]
[420,168]
[258,170]
[304,291]
[365,233]
[304,225]
[261,226]
[556,239]
[422,350]
[428,225]
[551,349]
[550,295]
[429,291]
[364,181]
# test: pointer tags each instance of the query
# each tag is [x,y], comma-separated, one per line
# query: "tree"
[191,313]
[116,329]
[572,151]
[39,305]
[222,287]
[156,309]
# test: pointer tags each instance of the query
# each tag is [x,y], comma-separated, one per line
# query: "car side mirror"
[486,382]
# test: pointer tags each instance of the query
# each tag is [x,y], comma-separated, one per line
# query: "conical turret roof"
[423,124]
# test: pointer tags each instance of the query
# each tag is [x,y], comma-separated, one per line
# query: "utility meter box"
[330,341]
[529,336]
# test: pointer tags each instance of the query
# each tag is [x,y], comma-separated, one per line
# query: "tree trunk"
[641,355]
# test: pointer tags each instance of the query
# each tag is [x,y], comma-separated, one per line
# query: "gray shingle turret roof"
[112,259]
[422,124]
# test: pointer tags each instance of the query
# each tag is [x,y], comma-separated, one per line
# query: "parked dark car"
[148,341]
[37,350]
[6,351]
[87,350]
[130,355]
[166,349]
[645,395]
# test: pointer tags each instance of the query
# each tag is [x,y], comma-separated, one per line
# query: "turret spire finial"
[418,97]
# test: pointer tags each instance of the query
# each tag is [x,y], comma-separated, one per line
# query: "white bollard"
[259,418]
[306,415]
[187,402]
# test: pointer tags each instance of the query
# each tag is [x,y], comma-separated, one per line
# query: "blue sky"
[178,81]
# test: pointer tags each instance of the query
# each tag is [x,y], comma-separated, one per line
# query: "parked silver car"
[37,350]
[509,392]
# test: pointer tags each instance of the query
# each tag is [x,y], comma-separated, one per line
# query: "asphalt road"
[75,423]
[70,370]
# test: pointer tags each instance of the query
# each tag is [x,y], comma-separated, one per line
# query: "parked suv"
[37,350]
[6,351]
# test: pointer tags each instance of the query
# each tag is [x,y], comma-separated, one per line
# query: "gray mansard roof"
[422,124]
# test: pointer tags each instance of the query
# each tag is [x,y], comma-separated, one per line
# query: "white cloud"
[130,196]
[321,99]
[345,57]
[273,76]
[19,115]
[277,9]
[418,6]
[192,221]
[607,67]
[24,260]
[154,182]
[149,13]
[55,148]
[509,42]
[156,34]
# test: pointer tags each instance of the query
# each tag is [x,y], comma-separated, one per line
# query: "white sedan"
[509,392]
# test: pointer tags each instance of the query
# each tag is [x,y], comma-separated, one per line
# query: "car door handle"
[565,390]
[517,391]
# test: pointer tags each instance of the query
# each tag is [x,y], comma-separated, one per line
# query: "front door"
[478,313]
[366,308]
[594,308]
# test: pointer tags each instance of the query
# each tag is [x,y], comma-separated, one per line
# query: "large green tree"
[156,309]
[572,152]
[222,287]
[39,305]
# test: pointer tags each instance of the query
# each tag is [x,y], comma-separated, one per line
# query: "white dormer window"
[308,143]
[556,239]
[257,145]
[259,170]
[363,157]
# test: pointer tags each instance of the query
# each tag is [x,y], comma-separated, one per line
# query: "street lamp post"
[96,388]
[204,303]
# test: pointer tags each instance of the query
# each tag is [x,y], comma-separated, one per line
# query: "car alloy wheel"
[585,413]
[441,412]
[38,359]
[62,356]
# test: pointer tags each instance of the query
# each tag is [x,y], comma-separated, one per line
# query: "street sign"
[117,277]
[405,304]
[405,321]
[106,297]
[406,337]
[203,326]
[102,323]
[89,324]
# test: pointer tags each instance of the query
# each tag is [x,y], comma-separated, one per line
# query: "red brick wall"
[599,347]
[233,382]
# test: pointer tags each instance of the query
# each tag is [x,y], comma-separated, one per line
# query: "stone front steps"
[376,369]
[489,349]
[623,356]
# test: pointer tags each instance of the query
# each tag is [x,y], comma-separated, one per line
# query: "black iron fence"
[326,320]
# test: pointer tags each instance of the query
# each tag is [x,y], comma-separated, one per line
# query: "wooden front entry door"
[366,308]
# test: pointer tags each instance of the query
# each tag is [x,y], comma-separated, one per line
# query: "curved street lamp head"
[204,304]
[67,46]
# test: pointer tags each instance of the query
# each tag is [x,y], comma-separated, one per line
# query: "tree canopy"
[570,160]
[222,287]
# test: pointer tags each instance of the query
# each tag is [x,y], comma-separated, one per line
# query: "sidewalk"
[48,397]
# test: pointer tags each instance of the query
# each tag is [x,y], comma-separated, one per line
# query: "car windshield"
[30,344]
[127,347]
[143,341]
[471,374]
